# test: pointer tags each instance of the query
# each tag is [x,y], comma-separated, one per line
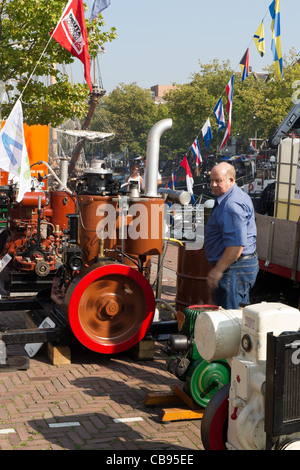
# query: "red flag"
[188,175]
[71,34]
[245,65]
[229,91]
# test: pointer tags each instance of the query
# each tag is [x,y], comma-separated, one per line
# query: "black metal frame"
[14,281]
[40,307]
[282,397]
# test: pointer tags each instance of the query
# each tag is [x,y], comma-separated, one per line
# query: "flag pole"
[51,35]
[35,68]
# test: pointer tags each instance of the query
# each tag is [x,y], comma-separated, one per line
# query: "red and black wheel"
[110,307]
[214,423]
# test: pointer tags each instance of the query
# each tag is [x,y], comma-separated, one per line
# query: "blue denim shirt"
[231,223]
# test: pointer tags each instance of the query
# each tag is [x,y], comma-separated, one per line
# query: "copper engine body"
[34,234]
[102,285]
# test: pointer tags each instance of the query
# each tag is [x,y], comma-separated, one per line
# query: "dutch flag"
[195,147]
[219,115]
[207,133]
[189,178]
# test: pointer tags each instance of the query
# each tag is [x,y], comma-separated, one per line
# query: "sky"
[162,41]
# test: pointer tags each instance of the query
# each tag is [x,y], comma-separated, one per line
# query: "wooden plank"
[160,398]
[186,398]
[143,350]
[178,414]
[30,321]
[188,409]
[59,355]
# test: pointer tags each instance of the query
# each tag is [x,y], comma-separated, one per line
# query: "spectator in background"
[135,176]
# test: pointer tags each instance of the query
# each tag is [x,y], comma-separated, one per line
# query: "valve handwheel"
[110,307]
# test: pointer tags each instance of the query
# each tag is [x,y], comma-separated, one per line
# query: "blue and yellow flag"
[259,39]
[276,37]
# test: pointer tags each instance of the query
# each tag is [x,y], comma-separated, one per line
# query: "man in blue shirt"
[230,240]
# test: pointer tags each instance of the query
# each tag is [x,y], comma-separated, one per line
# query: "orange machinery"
[32,238]
[97,246]
[102,286]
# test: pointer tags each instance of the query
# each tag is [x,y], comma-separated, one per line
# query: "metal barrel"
[191,285]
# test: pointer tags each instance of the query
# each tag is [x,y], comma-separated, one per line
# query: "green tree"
[191,104]
[131,112]
[261,105]
[25,26]
[258,105]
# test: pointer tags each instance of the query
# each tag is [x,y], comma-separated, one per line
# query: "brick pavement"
[74,406]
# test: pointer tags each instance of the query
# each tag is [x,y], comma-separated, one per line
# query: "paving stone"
[93,390]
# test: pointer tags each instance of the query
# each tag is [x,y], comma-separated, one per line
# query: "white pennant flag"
[13,152]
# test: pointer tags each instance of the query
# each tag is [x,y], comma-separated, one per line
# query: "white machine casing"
[248,365]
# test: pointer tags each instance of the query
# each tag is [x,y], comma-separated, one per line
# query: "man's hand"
[213,277]
[230,255]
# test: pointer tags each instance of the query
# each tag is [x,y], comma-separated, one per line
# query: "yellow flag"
[276,37]
[259,39]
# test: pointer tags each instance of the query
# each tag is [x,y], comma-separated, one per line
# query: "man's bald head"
[226,169]
[222,178]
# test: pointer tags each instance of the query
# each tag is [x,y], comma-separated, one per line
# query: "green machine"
[201,379]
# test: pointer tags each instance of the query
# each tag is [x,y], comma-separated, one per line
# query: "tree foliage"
[259,105]
[191,104]
[131,112]
[25,27]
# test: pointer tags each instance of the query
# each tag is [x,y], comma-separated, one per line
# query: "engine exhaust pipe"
[178,197]
[152,155]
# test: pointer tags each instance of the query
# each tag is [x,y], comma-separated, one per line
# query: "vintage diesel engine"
[97,243]
[33,237]
[201,379]
[259,409]
[102,285]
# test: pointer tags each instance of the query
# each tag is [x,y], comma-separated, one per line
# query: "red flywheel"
[110,307]
[214,423]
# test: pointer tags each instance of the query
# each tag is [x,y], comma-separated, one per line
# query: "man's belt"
[247,256]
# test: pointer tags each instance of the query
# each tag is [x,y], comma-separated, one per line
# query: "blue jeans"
[236,282]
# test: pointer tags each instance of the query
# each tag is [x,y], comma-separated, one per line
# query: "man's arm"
[230,255]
